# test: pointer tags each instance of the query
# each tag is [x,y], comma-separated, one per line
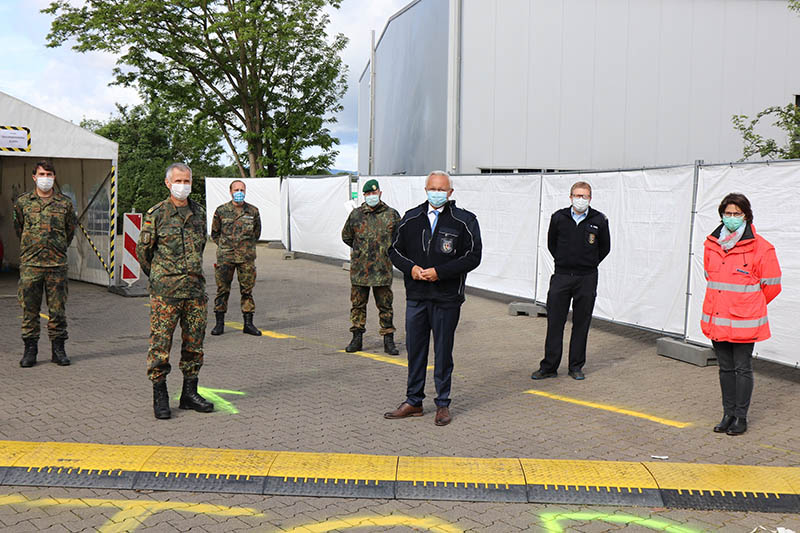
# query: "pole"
[371,169]
[697,164]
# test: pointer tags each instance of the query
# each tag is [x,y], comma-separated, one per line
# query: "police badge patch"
[592,238]
[447,245]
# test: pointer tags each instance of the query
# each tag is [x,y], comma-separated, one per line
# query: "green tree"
[264,71]
[151,137]
[786,119]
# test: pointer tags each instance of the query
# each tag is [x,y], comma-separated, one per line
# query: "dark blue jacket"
[454,249]
[578,248]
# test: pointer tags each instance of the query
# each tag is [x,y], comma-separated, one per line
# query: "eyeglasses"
[584,196]
[731,214]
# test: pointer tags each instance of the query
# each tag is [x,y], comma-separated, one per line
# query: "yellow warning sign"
[15,139]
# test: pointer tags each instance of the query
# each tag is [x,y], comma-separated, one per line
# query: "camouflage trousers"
[359,296]
[223,273]
[165,313]
[52,282]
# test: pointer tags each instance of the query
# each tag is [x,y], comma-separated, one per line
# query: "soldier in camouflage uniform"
[45,224]
[170,252]
[368,231]
[236,228]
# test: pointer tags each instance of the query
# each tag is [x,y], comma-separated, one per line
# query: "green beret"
[371,185]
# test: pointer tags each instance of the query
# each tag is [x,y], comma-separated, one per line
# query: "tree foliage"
[151,137]
[786,118]
[263,71]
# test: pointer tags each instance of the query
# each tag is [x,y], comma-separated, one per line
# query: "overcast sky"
[75,86]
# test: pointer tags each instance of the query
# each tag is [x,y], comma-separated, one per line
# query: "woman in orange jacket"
[743,277]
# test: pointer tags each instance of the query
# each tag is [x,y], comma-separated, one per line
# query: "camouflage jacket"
[45,229]
[170,250]
[236,231]
[369,233]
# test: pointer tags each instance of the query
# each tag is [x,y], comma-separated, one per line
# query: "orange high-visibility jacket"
[741,282]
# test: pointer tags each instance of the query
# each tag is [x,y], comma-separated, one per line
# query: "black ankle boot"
[161,400]
[191,400]
[219,328]
[738,426]
[59,354]
[724,424]
[389,346]
[355,344]
[249,328]
[30,353]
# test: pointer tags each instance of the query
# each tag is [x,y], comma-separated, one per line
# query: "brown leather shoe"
[404,410]
[442,416]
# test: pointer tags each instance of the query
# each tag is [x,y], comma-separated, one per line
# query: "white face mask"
[580,204]
[45,183]
[181,190]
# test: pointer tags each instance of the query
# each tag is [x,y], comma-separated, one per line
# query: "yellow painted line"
[430,523]
[728,478]
[266,333]
[779,449]
[334,466]
[179,460]
[616,474]
[383,358]
[611,408]
[44,316]
[496,473]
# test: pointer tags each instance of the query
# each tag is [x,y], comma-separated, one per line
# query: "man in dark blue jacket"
[578,239]
[435,245]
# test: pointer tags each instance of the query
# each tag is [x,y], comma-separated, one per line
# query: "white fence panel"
[643,280]
[264,193]
[507,209]
[769,188]
[318,211]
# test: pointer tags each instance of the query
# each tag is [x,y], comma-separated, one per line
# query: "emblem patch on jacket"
[592,238]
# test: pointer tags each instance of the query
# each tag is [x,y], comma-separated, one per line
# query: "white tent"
[83,161]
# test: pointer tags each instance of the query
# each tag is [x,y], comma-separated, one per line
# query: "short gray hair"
[180,166]
[440,173]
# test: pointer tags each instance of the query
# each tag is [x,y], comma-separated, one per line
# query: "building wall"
[578,84]
[410,92]
[363,122]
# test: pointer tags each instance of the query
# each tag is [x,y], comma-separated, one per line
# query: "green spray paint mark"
[551,521]
[220,403]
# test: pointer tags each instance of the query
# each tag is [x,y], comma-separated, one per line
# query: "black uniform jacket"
[578,248]
[454,249]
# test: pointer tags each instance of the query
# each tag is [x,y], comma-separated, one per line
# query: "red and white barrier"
[131,227]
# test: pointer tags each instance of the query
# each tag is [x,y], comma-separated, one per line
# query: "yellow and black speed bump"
[590,482]
[205,470]
[733,488]
[331,474]
[616,483]
[460,478]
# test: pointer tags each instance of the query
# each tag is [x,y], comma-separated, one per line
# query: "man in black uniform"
[578,240]
[435,245]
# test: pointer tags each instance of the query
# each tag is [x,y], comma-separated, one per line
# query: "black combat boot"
[59,355]
[161,400]
[30,353]
[388,344]
[191,400]
[249,328]
[219,328]
[355,344]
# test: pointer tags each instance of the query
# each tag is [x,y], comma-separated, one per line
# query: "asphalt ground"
[294,389]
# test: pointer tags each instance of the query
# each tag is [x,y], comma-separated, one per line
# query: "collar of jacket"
[377,209]
[447,206]
[590,213]
[172,210]
[748,236]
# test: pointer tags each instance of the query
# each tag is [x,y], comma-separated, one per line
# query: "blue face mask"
[733,223]
[372,199]
[437,198]
[238,197]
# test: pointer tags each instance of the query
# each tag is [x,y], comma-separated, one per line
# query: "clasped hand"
[424,274]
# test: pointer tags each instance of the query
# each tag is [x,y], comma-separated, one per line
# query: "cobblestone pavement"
[294,389]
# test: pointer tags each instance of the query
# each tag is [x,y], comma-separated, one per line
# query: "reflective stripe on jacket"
[741,282]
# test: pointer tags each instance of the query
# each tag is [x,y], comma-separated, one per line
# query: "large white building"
[526,85]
